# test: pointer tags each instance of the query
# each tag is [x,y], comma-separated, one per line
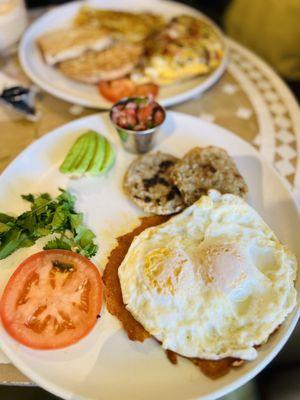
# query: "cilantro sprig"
[47,216]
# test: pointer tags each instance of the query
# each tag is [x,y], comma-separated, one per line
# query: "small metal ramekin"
[137,142]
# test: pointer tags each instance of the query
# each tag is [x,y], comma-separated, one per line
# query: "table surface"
[250,100]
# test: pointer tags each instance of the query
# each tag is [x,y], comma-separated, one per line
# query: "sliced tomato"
[119,88]
[116,89]
[146,89]
[52,300]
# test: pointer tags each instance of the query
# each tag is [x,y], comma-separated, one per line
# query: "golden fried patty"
[207,168]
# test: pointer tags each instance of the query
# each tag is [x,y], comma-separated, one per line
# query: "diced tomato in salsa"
[138,114]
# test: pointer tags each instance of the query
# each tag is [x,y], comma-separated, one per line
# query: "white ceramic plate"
[106,364]
[52,81]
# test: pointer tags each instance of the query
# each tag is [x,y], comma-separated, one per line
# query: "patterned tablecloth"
[249,100]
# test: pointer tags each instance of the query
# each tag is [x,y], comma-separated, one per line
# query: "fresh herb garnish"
[62,267]
[57,243]
[150,125]
[47,216]
[139,100]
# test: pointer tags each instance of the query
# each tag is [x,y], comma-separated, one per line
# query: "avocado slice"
[109,158]
[99,156]
[72,155]
[88,153]
[80,156]
[91,153]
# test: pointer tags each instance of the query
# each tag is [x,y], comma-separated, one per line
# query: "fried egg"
[212,282]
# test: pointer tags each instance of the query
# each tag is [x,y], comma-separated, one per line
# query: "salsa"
[137,113]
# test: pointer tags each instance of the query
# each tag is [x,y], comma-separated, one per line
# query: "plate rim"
[211,79]
[228,388]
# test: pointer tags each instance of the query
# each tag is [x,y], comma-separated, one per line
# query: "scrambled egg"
[185,48]
[165,70]
[212,282]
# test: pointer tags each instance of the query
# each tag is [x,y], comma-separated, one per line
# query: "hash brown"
[147,182]
[207,168]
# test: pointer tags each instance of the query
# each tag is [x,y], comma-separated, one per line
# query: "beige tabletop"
[250,100]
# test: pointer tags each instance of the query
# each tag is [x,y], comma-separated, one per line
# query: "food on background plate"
[112,63]
[47,216]
[102,46]
[137,114]
[66,43]
[185,48]
[207,168]
[120,88]
[207,285]
[134,27]
[147,182]
[52,300]
[90,155]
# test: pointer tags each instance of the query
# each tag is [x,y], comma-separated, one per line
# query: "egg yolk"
[163,268]
[224,266]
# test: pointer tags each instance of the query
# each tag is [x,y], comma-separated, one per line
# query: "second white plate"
[53,82]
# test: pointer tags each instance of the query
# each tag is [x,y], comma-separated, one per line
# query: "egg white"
[212,282]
